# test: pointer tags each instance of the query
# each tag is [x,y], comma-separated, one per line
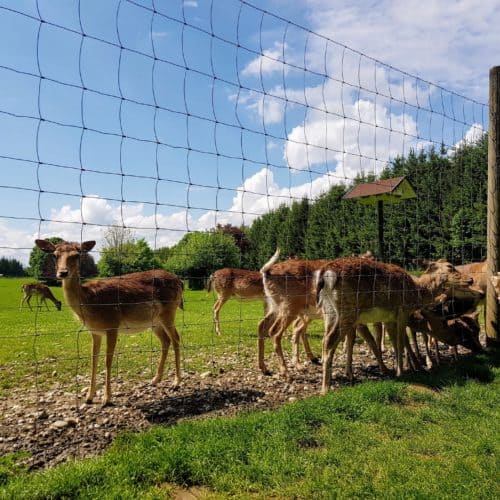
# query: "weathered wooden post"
[493,235]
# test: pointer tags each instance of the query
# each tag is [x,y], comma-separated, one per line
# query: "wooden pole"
[380,212]
[493,235]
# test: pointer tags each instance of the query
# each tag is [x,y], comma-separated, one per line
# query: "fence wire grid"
[134,121]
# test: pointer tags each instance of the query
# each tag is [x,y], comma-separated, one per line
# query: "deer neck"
[73,293]
[428,288]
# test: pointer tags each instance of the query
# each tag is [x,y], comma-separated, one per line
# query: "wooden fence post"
[493,234]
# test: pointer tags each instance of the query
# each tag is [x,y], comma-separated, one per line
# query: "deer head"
[67,256]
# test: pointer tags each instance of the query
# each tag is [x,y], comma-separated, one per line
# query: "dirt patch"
[55,425]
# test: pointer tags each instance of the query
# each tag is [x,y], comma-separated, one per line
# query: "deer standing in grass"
[42,292]
[129,304]
[290,288]
[358,291]
[230,282]
[247,285]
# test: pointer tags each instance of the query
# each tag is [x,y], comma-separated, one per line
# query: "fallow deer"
[231,282]
[130,303]
[291,292]
[42,292]
[359,291]
[248,285]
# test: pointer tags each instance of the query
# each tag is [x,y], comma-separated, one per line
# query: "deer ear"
[45,245]
[87,246]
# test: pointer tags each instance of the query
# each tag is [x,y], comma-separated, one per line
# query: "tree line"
[447,219]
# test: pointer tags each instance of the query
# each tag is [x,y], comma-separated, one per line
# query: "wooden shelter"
[379,192]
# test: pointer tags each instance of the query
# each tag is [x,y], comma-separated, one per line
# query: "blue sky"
[160,126]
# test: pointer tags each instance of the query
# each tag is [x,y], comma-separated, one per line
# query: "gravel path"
[56,425]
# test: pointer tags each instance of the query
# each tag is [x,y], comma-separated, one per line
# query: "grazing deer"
[458,315]
[230,282]
[462,330]
[42,292]
[358,291]
[129,304]
[291,293]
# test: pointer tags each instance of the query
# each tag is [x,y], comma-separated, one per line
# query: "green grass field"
[44,347]
[432,435]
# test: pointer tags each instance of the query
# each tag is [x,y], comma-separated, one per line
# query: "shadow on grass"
[199,402]
[478,367]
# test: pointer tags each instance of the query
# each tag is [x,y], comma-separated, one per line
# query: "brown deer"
[42,292]
[129,303]
[230,282]
[458,315]
[248,285]
[476,271]
[358,291]
[291,293]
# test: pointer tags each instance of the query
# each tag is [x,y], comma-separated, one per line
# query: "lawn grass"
[432,435]
[45,347]
[438,438]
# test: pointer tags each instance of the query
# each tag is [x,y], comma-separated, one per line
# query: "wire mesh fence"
[193,139]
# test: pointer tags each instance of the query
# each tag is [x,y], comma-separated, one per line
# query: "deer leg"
[455,352]
[331,340]
[396,331]
[413,361]
[307,347]
[96,348]
[349,341]
[216,310]
[436,347]
[176,341]
[282,325]
[413,337]
[111,338]
[379,336]
[28,301]
[164,339]
[263,332]
[45,302]
[298,332]
[428,357]
[374,346]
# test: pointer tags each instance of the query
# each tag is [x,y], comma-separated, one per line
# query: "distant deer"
[248,285]
[42,292]
[230,282]
[130,303]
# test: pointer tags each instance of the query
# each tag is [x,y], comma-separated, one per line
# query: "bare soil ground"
[55,425]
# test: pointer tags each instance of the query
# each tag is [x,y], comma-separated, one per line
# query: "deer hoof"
[316,361]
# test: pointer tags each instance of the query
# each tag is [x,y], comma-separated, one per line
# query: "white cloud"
[271,61]
[472,136]
[366,139]
[451,43]
[257,195]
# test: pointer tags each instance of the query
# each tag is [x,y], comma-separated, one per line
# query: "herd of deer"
[347,293]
